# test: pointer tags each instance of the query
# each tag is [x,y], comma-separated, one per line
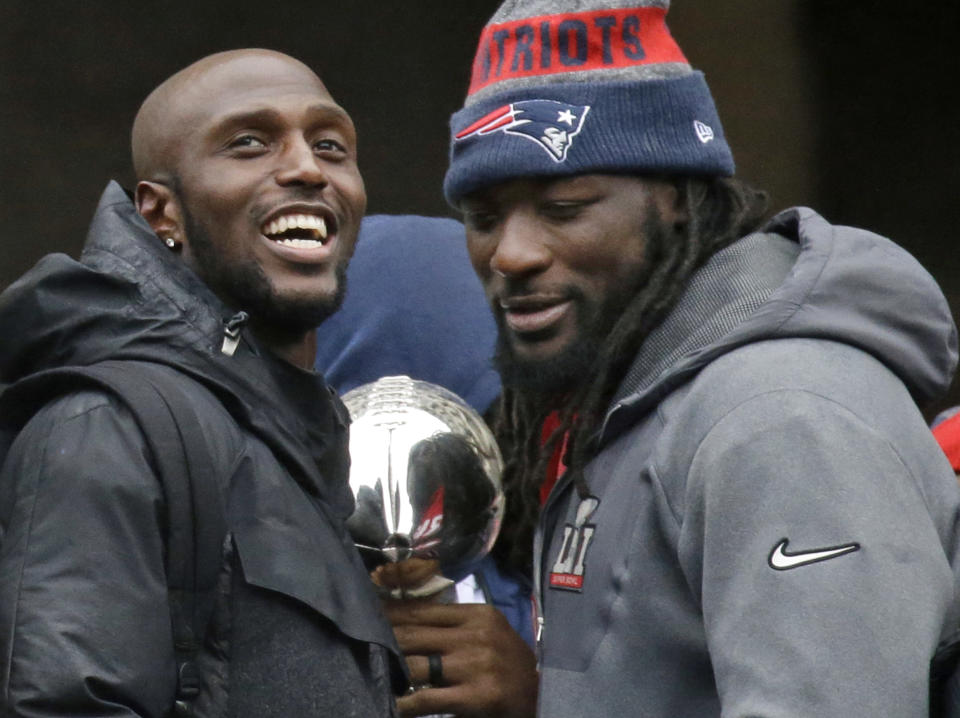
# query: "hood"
[128,297]
[827,282]
[413,306]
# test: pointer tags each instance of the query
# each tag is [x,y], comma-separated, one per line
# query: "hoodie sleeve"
[84,618]
[823,580]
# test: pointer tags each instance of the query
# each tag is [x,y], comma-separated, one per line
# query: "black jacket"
[84,619]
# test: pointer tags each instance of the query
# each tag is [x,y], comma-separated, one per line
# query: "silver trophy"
[425,472]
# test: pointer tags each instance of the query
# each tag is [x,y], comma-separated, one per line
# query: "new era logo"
[703,130]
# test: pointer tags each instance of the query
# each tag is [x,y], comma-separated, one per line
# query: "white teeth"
[301,243]
[310,222]
[321,226]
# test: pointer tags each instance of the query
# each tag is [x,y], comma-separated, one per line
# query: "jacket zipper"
[231,333]
[538,549]
[538,544]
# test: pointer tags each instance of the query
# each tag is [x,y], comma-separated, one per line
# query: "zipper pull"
[231,332]
[539,642]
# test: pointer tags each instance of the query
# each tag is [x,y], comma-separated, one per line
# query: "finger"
[419,666]
[442,615]
[461,665]
[408,573]
[477,682]
[433,701]
[417,669]
[424,640]
[414,612]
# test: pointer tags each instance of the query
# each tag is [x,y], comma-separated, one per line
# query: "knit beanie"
[564,87]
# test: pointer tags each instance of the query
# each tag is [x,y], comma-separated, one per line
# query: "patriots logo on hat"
[552,125]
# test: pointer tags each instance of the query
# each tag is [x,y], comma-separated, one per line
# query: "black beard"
[551,381]
[245,286]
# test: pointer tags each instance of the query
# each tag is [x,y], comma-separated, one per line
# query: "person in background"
[413,306]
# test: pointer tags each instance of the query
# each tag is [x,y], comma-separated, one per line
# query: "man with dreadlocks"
[718,472]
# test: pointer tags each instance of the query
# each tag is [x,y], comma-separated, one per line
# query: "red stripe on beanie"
[499,117]
[573,42]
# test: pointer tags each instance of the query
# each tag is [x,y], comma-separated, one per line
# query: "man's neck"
[297,349]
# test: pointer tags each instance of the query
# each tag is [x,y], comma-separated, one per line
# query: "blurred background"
[848,107]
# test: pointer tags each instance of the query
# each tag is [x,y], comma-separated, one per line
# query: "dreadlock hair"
[720,211]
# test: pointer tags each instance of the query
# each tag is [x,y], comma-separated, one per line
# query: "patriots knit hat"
[563,87]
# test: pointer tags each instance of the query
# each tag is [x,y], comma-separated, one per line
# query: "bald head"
[247,172]
[180,105]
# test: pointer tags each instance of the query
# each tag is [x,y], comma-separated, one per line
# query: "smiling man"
[716,468]
[207,285]
[263,198]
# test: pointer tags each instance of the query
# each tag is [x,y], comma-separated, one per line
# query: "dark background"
[848,107]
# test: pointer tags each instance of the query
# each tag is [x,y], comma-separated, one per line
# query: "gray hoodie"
[772,528]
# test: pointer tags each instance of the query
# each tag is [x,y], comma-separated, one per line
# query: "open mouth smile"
[299,229]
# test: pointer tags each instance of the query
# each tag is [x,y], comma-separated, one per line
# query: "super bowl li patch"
[568,570]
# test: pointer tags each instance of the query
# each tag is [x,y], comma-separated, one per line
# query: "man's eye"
[247,141]
[562,209]
[479,220]
[328,145]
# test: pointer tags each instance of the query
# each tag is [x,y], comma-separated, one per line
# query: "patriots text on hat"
[550,44]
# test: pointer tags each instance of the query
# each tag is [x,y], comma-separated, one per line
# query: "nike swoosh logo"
[780,560]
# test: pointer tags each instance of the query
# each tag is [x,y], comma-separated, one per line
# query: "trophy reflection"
[425,472]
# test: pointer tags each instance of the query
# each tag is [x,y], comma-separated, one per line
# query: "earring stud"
[170,242]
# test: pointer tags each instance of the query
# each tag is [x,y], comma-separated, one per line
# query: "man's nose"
[521,249]
[301,166]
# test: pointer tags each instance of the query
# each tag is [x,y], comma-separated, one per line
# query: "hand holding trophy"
[426,476]
[425,472]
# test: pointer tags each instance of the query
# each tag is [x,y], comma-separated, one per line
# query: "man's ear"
[157,204]
[672,203]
